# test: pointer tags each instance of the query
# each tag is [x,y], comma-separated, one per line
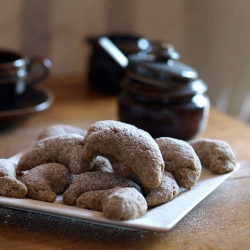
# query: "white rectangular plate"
[161,218]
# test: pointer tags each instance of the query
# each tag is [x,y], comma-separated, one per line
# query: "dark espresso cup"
[17,72]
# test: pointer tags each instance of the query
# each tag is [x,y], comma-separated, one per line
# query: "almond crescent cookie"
[61,129]
[180,160]
[132,147]
[64,149]
[215,154]
[124,204]
[92,200]
[9,185]
[47,180]
[90,181]
[167,191]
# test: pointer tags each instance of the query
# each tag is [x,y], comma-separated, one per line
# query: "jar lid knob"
[165,51]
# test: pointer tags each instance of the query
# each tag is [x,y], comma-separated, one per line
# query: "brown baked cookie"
[47,180]
[215,154]
[63,149]
[132,147]
[180,160]
[167,191]
[124,204]
[9,185]
[102,164]
[92,200]
[90,181]
[61,129]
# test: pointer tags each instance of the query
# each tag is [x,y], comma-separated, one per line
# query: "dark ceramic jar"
[164,98]
[104,73]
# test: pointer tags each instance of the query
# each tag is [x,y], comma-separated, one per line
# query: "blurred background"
[211,36]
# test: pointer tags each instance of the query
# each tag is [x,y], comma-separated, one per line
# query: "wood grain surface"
[220,221]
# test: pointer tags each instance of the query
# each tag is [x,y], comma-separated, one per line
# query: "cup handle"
[41,65]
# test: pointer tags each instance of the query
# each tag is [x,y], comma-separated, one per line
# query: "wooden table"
[220,221]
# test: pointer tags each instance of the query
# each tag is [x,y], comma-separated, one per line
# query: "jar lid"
[160,68]
[192,88]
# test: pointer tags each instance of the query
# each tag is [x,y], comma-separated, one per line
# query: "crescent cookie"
[47,180]
[63,149]
[92,200]
[90,181]
[180,160]
[61,129]
[124,204]
[167,191]
[9,185]
[132,147]
[215,154]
